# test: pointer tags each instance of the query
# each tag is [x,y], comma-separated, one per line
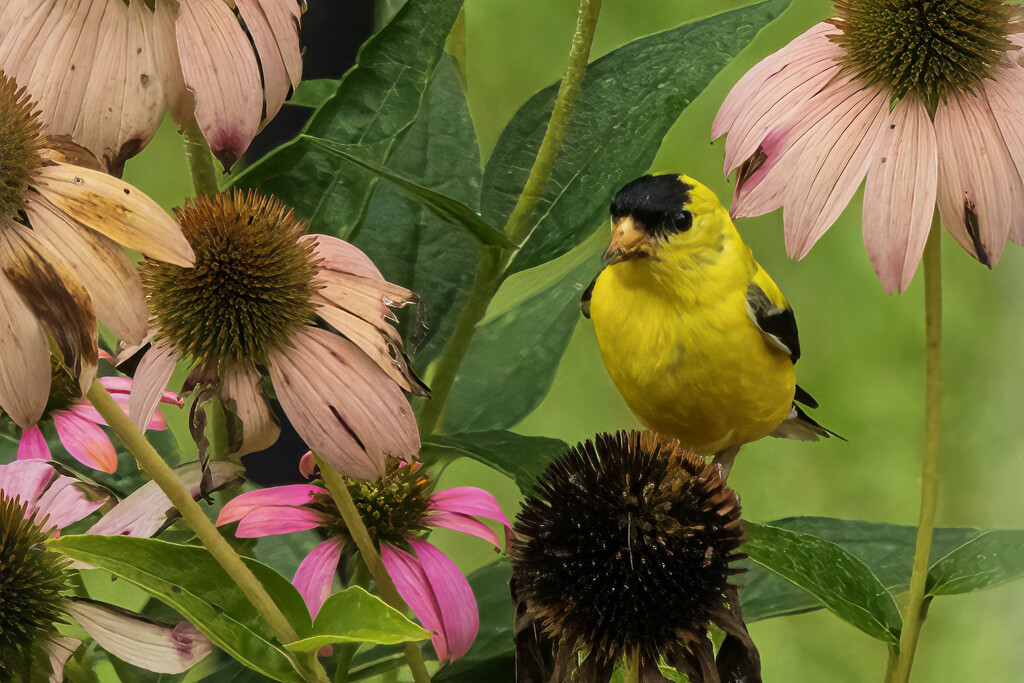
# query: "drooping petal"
[316,572]
[147,510]
[307,465]
[284,17]
[292,495]
[366,297]
[259,429]
[454,599]
[269,521]
[25,480]
[85,442]
[980,192]
[221,70]
[59,650]
[140,642]
[340,256]
[116,384]
[164,43]
[32,445]
[114,208]
[412,584]
[465,524]
[469,500]
[1005,92]
[275,76]
[104,269]
[24,359]
[899,196]
[150,382]
[64,503]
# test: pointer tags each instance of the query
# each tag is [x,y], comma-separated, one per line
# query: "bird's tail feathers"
[801,426]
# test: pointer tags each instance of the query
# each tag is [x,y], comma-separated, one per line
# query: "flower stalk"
[916,601]
[368,552]
[153,465]
[200,161]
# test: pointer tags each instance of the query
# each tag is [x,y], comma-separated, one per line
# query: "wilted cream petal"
[114,208]
[62,149]
[899,196]
[1005,91]
[368,298]
[24,359]
[164,44]
[150,382]
[259,429]
[275,77]
[59,650]
[220,69]
[105,270]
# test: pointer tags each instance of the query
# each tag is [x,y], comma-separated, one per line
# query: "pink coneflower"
[36,503]
[925,100]
[78,424]
[105,70]
[252,300]
[395,508]
[62,224]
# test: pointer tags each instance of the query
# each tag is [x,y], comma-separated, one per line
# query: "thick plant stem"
[160,472]
[916,605]
[632,668]
[200,160]
[361,537]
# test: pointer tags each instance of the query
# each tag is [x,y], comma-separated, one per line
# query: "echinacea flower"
[35,504]
[396,509]
[105,70]
[924,100]
[623,550]
[62,222]
[252,300]
[78,424]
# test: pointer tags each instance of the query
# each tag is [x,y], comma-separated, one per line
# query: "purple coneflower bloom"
[395,509]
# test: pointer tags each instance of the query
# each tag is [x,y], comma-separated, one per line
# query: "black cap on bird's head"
[649,208]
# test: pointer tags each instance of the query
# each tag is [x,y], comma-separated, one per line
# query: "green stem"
[159,471]
[632,669]
[915,613]
[357,530]
[200,160]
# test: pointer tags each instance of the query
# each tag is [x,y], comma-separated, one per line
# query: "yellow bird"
[697,337]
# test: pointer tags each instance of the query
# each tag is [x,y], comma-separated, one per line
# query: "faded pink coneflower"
[396,509]
[62,224]
[105,70]
[252,301]
[36,503]
[925,100]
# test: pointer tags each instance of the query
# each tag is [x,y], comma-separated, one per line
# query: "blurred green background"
[862,358]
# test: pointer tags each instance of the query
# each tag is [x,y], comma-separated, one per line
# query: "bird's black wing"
[777,324]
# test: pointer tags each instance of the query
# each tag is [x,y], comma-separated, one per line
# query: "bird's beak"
[627,240]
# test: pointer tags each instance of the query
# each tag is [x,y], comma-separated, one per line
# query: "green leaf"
[839,580]
[313,93]
[191,581]
[514,354]
[501,669]
[628,101]
[990,559]
[355,616]
[375,104]
[523,458]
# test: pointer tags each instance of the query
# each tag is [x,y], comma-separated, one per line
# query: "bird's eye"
[682,221]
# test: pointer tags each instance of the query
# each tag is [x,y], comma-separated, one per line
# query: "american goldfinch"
[695,335]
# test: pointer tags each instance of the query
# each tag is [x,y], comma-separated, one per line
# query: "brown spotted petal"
[240,388]
[64,150]
[114,208]
[24,358]
[55,295]
[88,66]
[102,266]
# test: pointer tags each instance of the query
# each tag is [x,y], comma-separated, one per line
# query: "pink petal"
[275,77]
[465,524]
[85,442]
[339,255]
[980,192]
[368,298]
[180,102]
[64,503]
[1005,91]
[59,650]
[342,405]
[899,197]
[316,572]
[151,378]
[307,465]
[25,480]
[259,430]
[24,359]
[469,500]
[221,70]
[123,385]
[33,445]
[414,587]
[268,521]
[293,495]
[454,598]
[284,17]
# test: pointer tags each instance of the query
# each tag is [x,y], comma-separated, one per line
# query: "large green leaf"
[375,104]
[628,101]
[355,616]
[189,579]
[514,354]
[523,458]
[844,584]
[989,559]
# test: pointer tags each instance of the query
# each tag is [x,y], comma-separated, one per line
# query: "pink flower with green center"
[396,509]
[924,101]
[78,424]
